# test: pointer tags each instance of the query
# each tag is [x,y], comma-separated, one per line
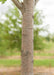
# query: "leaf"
[3,1]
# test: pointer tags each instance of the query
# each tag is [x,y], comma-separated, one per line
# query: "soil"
[17,71]
[37,70]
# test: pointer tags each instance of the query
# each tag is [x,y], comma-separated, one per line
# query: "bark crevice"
[25,52]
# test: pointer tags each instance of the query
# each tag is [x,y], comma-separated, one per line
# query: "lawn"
[46,62]
[14,63]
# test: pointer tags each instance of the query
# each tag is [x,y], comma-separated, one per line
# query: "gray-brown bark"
[27,38]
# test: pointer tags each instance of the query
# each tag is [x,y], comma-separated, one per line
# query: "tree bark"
[27,38]
[27,35]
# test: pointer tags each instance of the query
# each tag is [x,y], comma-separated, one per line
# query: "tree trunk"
[27,38]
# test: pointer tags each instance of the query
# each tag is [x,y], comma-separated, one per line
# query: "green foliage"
[3,47]
[11,30]
[39,43]
[3,1]
[38,17]
[48,37]
[38,39]
[43,53]
[52,37]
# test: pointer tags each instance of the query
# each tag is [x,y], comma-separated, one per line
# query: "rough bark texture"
[27,38]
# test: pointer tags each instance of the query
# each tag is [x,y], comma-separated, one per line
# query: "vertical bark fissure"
[27,38]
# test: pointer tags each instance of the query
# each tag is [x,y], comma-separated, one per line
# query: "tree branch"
[18,4]
[36,1]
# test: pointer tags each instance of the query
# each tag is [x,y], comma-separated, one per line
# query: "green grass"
[46,62]
[15,63]
[9,63]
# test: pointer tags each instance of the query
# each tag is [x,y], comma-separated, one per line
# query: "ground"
[17,71]
[37,70]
